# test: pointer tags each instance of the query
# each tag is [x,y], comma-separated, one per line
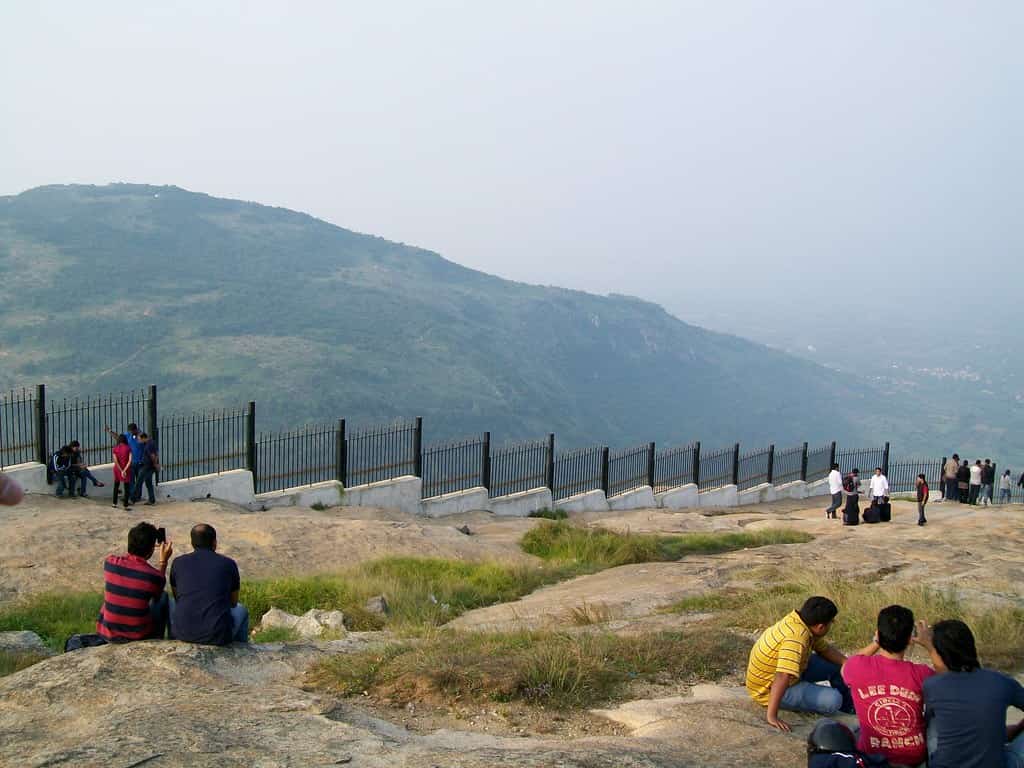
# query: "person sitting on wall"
[135,605]
[205,586]
[791,657]
[80,470]
[60,466]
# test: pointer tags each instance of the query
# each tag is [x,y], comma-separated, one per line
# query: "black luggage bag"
[851,512]
[885,512]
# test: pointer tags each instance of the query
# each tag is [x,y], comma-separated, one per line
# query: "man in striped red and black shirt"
[134,601]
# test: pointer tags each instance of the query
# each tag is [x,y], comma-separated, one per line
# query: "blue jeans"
[83,475]
[1004,495]
[65,481]
[239,623]
[144,476]
[159,611]
[807,696]
[837,502]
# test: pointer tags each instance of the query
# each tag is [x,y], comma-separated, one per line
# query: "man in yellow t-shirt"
[791,657]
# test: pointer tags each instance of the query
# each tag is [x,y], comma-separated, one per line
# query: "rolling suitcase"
[851,512]
[885,512]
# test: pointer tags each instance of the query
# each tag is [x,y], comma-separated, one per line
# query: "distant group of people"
[136,461]
[975,484]
[880,509]
[951,714]
[203,606]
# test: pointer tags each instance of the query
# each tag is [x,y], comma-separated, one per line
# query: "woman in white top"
[1004,488]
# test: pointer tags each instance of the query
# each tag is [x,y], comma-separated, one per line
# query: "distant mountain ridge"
[220,301]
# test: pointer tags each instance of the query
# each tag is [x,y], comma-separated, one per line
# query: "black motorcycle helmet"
[830,736]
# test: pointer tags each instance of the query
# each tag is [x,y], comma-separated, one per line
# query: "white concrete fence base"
[403,493]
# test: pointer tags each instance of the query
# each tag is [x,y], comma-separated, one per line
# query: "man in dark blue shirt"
[147,469]
[205,587]
[967,704]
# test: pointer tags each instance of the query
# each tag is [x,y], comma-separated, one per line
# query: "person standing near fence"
[949,484]
[150,466]
[835,487]
[1004,488]
[963,482]
[123,470]
[922,498]
[879,487]
[975,488]
[988,479]
[134,440]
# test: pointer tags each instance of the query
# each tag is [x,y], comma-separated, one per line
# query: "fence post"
[485,464]
[832,456]
[604,470]
[151,412]
[650,465]
[803,465]
[736,464]
[250,441]
[696,464]
[42,455]
[417,448]
[549,473]
[341,455]
[995,482]
[885,459]
[771,463]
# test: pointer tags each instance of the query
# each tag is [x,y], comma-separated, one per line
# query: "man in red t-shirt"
[135,605]
[887,691]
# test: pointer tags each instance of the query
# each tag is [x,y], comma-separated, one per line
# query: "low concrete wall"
[472,500]
[521,504]
[591,501]
[683,497]
[330,493]
[725,496]
[639,498]
[30,476]
[759,494]
[794,490]
[234,486]
[818,488]
[402,493]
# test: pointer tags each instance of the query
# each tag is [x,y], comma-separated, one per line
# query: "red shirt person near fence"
[123,470]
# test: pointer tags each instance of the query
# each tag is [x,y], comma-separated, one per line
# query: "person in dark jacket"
[963,482]
[61,467]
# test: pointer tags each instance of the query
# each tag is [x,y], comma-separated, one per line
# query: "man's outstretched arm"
[778,690]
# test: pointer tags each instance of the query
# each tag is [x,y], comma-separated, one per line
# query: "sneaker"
[98,484]
[114,505]
[84,495]
[149,504]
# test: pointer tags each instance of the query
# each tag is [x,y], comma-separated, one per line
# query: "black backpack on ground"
[78,642]
[832,745]
[885,511]
[873,514]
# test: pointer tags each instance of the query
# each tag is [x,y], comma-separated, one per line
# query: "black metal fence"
[864,459]
[716,468]
[579,472]
[521,467]
[630,469]
[205,443]
[88,420]
[903,474]
[301,457]
[18,420]
[788,465]
[383,452]
[754,468]
[674,467]
[819,462]
[455,466]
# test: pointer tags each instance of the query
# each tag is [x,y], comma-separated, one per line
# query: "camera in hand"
[161,535]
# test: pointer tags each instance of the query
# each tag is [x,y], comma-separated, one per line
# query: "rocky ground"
[166,704]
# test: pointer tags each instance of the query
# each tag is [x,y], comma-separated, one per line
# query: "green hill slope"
[219,301]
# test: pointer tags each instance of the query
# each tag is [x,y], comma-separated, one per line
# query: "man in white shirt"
[879,486]
[835,487]
[975,487]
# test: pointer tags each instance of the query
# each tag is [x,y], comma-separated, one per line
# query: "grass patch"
[276,635]
[550,514]
[421,592]
[593,549]
[558,670]
[15,662]
[54,616]
[999,630]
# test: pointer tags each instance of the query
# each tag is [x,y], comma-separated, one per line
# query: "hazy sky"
[724,158]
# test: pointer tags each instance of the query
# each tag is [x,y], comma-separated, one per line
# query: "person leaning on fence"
[949,482]
[134,602]
[80,470]
[963,481]
[1005,489]
[791,657]
[974,491]
[835,488]
[988,479]
[147,469]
